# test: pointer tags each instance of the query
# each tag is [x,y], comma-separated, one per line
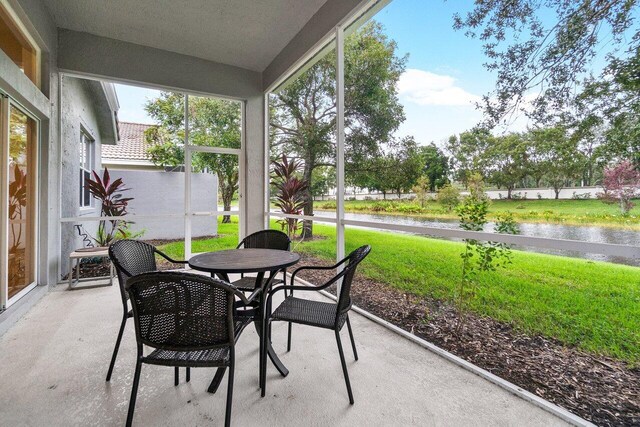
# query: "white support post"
[267,164]
[187,182]
[340,136]
[4,189]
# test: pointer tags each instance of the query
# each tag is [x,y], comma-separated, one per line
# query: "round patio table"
[248,260]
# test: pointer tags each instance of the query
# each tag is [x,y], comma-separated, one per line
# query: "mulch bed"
[599,389]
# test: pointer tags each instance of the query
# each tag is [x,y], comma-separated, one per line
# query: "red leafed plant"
[621,184]
[289,191]
[109,193]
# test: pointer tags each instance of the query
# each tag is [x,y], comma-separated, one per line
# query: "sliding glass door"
[19,165]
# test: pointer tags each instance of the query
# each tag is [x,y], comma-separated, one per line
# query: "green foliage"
[303,112]
[435,166]
[448,196]
[290,189]
[112,203]
[323,179]
[586,304]
[213,122]
[556,156]
[546,47]
[468,152]
[421,189]
[574,212]
[479,257]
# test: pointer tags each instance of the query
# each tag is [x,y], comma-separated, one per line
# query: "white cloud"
[426,88]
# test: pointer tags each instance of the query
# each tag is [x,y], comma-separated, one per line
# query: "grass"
[592,305]
[575,212]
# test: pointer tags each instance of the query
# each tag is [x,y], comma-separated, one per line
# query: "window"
[18,45]
[86,166]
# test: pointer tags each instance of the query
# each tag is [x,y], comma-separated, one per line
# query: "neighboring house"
[156,191]
[131,151]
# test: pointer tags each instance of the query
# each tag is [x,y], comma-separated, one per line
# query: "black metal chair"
[264,239]
[188,320]
[317,313]
[132,257]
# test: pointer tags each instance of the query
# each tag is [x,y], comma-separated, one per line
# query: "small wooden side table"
[78,255]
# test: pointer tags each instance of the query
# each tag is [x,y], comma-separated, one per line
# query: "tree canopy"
[304,111]
[548,48]
[212,122]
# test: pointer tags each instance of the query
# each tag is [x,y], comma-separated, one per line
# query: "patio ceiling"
[243,33]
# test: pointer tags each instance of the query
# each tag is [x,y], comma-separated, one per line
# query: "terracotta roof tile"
[131,145]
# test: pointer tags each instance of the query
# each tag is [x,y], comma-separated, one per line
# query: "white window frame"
[87,165]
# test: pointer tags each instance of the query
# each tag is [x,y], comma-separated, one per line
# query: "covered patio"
[55,345]
[58,354]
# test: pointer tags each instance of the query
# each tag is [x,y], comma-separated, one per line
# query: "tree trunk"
[509,190]
[227,187]
[384,195]
[557,191]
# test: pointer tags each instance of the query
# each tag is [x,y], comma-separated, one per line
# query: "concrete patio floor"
[54,362]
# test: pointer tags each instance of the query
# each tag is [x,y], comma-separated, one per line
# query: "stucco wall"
[162,193]
[79,111]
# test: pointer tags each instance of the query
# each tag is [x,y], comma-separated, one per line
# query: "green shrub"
[448,197]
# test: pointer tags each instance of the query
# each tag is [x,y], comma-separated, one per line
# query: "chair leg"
[344,367]
[217,379]
[227,416]
[353,342]
[289,338]
[115,349]
[263,361]
[189,374]
[134,393]
[176,376]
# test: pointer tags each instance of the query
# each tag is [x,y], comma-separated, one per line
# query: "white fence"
[528,193]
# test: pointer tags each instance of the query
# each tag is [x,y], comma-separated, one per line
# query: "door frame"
[6,103]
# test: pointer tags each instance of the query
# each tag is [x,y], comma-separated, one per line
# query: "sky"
[443,79]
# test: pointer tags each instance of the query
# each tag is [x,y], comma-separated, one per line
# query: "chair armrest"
[310,267]
[295,288]
[165,256]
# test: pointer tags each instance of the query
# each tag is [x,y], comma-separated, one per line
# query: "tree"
[506,159]
[549,58]
[436,166]
[304,111]
[621,184]
[479,257]
[557,156]
[421,189]
[323,179]
[212,122]
[406,166]
[448,196]
[467,152]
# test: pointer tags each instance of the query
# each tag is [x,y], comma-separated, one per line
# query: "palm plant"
[112,204]
[290,191]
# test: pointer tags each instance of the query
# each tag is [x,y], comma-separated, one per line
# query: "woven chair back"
[181,311]
[267,239]
[354,258]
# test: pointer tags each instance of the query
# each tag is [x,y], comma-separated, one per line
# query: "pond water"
[595,234]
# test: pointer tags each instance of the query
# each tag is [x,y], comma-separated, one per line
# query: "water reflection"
[592,234]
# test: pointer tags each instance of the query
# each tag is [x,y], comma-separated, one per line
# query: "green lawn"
[580,212]
[592,305]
